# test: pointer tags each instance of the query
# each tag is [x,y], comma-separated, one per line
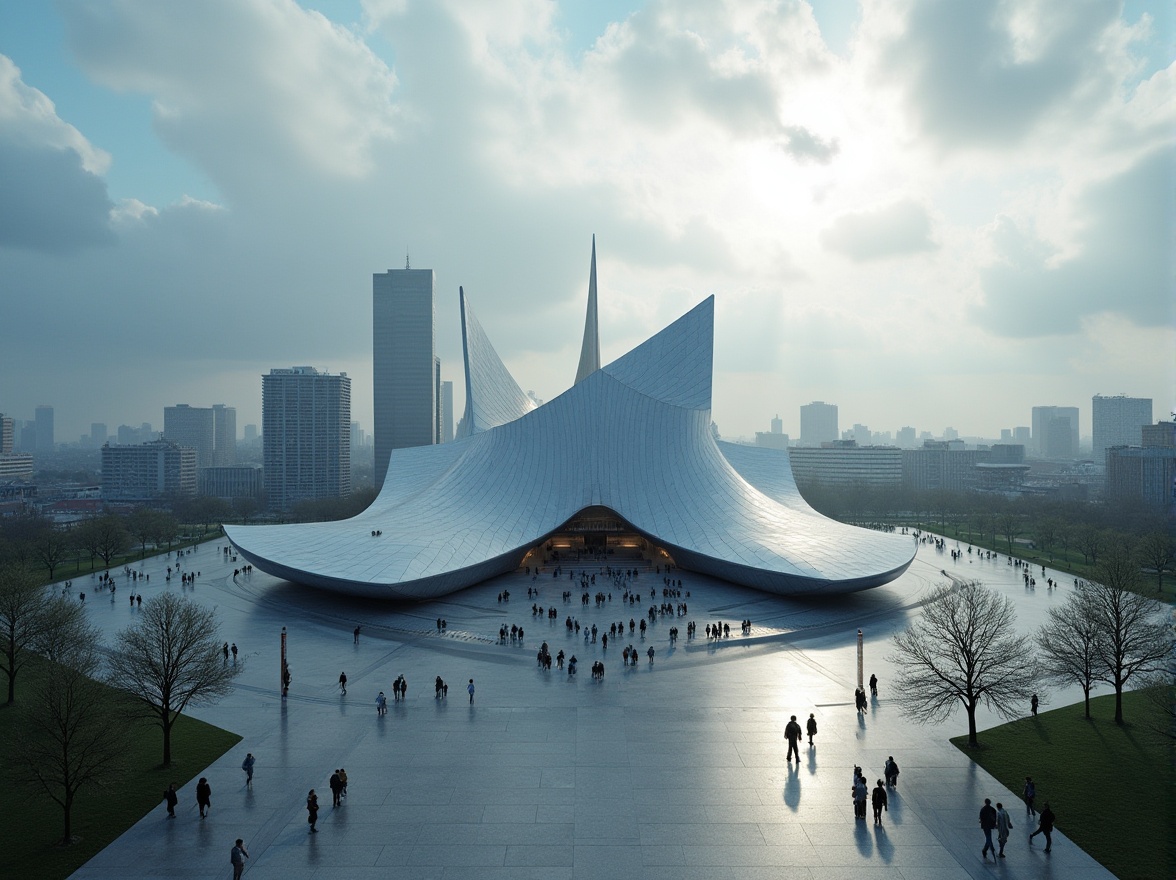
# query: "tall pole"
[282,672]
[861,668]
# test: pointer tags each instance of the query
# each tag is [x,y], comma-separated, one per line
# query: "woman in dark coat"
[312,811]
[203,796]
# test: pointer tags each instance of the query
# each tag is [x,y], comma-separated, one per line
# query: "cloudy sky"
[929,213]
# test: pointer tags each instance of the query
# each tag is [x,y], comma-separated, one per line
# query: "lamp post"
[283,674]
[861,675]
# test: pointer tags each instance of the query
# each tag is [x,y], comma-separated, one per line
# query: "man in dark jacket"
[792,733]
[1045,824]
[987,824]
[171,798]
[336,789]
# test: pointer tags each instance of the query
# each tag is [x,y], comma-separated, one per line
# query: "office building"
[15,466]
[1118,421]
[44,435]
[250,434]
[1145,473]
[1055,431]
[446,412]
[775,438]
[845,463]
[97,434]
[159,469]
[905,438]
[405,369]
[230,482]
[7,434]
[818,423]
[211,431]
[306,435]
[1023,435]
[942,464]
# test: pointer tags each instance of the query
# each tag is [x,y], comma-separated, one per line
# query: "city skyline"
[931,216]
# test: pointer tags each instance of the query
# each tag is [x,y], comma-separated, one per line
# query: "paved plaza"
[674,769]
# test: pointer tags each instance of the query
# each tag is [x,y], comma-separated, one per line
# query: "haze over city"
[929,214]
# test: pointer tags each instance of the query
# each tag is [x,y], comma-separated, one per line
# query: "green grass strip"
[1110,786]
[99,814]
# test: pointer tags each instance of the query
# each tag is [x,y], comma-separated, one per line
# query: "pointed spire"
[590,351]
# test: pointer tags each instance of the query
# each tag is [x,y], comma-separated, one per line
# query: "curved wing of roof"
[633,437]
[492,396]
[590,350]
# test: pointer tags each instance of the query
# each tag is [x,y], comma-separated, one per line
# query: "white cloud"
[894,230]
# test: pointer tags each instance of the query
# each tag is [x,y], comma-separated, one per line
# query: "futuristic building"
[627,450]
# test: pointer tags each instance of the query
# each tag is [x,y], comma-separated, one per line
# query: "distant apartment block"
[306,435]
[7,434]
[1118,421]
[940,466]
[1145,473]
[44,423]
[131,436]
[1055,431]
[844,463]
[15,466]
[405,369]
[147,471]
[211,431]
[230,482]
[818,423]
[775,438]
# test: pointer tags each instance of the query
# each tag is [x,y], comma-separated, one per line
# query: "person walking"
[336,785]
[792,733]
[1045,824]
[1004,823]
[891,772]
[312,811]
[987,825]
[470,690]
[811,725]
[880,802]
[860,793]
[355,636]
[237,856]
[343,683]
[203,796]
[873,685]
[1029,793]
[247,766]
[1033,701]
[381,704]
[171,799]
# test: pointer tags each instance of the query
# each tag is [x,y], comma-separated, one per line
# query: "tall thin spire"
[590,351]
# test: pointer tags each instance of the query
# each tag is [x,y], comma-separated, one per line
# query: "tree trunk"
[972,740]
[1086,695]
[11,686]
[1118,704]
[67,808]
[167,726]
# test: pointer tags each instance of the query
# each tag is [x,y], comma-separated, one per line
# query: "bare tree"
[1010,527]
[1133,640]
[1069,645]
[963,649]
[50,545]
[171,658]
[73,737]
[142,523]
[1155,552]
[27,615]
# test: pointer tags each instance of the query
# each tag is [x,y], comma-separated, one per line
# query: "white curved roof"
[492,396]
[633,437]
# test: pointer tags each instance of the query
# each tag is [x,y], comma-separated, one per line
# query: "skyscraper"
[211,431]
[44,419]
[7,434]
[306,435]
[1118,421]
[224,435]
[405,371]
[98,433]
[818,423]
[1055,431]
[446,412]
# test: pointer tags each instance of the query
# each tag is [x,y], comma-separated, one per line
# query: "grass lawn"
[33,829]
[1111,787]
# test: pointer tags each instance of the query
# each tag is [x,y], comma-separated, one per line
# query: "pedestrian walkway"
[671,770]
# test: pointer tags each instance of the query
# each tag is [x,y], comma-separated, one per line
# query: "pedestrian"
[470,690]
[234,651]
[879,801]
[1033,704]
[237,856]
[891,772]
[381,704]
[860,793]
[792,734]
[1045,824]
[873,685]
[203,796]
[226,652]
[247,766]
[343,683]
[171,799]
[811,724]
[355,636]
[312,811]
[343,780]
[1029,794]
[1004,822]
[987,824]
[336,785]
